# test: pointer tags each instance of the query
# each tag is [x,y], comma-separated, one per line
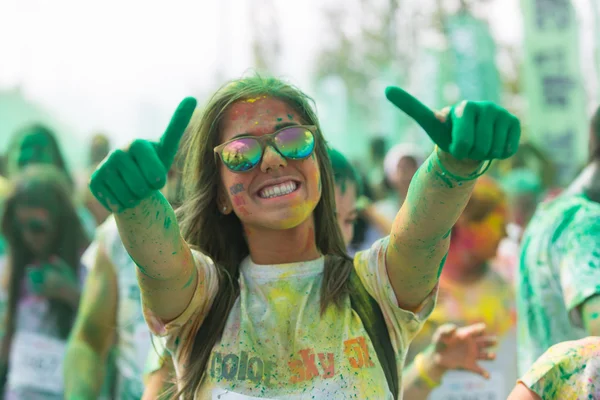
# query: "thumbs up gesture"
[476,131]
[129,175]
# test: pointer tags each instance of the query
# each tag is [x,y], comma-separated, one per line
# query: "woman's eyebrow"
[276,128]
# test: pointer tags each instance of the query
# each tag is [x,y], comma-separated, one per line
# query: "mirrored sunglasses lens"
[241,154]
[295,143]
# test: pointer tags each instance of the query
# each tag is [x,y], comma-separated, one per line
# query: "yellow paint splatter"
[254,99]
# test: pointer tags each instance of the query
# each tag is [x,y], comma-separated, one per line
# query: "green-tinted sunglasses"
[243,153]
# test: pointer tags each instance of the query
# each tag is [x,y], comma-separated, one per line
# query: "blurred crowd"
[69,287]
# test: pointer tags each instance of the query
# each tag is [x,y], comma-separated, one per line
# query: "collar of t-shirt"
[267,273]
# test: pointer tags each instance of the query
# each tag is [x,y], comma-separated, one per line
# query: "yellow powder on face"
[254,99]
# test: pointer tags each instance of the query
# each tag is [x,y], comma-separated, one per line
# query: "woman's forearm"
[151,236]
[166,269]
[420,235]
[435,199]
[422,376]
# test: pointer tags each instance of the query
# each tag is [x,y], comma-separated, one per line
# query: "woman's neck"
[282,246]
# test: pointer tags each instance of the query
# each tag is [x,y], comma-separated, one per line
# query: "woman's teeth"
[278,190]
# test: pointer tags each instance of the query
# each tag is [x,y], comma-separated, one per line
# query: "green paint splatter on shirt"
[557,273]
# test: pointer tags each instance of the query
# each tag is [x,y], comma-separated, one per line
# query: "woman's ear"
[223,202]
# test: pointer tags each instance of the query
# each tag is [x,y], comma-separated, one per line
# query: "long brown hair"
[221,236]
[46,187]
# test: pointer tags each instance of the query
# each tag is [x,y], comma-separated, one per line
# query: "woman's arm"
[160,381]
[522,392]
[468,135]
[166,271]
[422,376]
[420,234]
[127,183]
[93,332]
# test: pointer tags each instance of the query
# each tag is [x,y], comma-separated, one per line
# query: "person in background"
[523,189]
[42,281]
[3,165]
[159,374]
[558,290]
[99,149]
[5,188]
[399,166]
[37,144]
[472,292]
[567,370]
[375,178]
[111,304]
[365,233]
[451,348]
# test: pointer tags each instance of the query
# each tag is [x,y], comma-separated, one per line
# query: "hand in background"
[462,348]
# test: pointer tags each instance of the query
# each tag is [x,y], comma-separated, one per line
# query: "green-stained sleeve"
[580,264]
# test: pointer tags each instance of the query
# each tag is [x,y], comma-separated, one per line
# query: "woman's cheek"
[237,192]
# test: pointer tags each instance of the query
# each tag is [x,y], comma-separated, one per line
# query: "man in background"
[558,281]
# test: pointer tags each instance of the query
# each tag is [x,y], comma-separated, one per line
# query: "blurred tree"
[266,45]
[363,45]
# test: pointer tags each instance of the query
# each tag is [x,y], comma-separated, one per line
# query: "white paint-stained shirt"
[568,370]
[276,344]
[559,270]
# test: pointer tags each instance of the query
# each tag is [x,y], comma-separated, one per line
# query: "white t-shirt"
[37,349]
[276,344]
[134,338]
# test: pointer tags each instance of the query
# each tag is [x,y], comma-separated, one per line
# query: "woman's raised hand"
[475,130]
[129,175]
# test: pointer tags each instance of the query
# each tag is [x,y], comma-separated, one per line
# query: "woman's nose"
[272,160]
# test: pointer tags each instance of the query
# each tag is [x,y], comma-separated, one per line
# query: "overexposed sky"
[121,66]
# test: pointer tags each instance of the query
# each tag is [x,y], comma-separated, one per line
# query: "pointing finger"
[169,142]
[438,131]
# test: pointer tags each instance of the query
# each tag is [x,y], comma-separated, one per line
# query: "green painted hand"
[475,130]
[130,175]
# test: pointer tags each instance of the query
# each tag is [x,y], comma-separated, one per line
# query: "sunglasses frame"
[264,141]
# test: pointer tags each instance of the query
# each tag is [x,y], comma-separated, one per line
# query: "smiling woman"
[252,287]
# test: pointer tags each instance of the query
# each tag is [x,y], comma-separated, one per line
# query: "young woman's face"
[245,192]
[35,148]
[35,225]
[345,207]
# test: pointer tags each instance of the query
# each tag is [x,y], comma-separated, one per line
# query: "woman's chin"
[280,220]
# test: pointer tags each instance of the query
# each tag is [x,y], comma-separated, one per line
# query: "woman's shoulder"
[566,368]
[588,347]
